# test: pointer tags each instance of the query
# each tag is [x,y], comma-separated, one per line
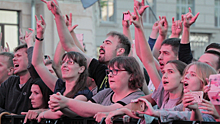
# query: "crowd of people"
[161,73]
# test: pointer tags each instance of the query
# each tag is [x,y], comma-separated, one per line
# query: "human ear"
[120,51]
[81,69]
[10,71]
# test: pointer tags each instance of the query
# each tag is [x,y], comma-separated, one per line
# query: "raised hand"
[29,38]
[140,6]
[53,6]
[136,18]
[176,28]
[41,25]
[189,19]
[68,21]
[21,37]
[163,26]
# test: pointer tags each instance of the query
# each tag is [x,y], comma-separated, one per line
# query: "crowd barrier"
[18,119]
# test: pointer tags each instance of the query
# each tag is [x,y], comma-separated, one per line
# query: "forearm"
[37,58]
[127,33]
[67,112]
[157,46]
[185,36]
[57,59]
[153,34]
[73,34]
[147,58]
[52,115]
[137,48]
[64,34]
[196,115]
[87,109]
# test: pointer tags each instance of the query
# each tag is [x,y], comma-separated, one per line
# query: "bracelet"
[39,38]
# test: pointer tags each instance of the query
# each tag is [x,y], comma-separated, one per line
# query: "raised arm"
[37,59]
[153,35]
[72,32]
[147,57]
[66,39]
[57,59]
[185,53]
[163,27]
[176,28]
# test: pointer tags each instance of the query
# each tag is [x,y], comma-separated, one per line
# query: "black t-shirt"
[60,87]
[97,72]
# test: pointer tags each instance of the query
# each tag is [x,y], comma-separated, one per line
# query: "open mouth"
[16,65]
[165,82]
[102,51]
[186,84]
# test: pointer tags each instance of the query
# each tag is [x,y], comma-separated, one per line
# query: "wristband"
[39,38]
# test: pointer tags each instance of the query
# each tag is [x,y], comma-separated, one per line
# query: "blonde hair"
[203,71]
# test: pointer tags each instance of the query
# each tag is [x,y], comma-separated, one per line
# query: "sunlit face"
[108,49]
[209,59]
[70,69]
[166,54]
[171,78]
[20,61]
[4,69]
[36,97]
[120,80]
[191,80]
[49,67]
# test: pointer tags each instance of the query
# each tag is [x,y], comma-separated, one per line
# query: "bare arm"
[57,59]
[37,59]
[163,27]
[66,39]
[147,58]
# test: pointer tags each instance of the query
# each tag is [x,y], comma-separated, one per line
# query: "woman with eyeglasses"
[73,69]
[125,79]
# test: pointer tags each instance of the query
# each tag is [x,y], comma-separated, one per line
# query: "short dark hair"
[174,43]
[10,58]
[213,45]
[123,40]
[20,47]
[217,54]
[131,65]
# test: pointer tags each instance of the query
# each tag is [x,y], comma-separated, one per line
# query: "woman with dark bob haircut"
[125,79]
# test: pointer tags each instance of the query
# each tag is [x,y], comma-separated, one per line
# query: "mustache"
[101,49]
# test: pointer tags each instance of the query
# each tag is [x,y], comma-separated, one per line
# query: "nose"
[110,74]
[30,96]
[186,76]
[14,59]
[102,46]
[160,57]
[165,75]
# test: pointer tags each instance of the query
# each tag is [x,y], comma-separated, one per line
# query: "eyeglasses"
[69,62]
[114,71]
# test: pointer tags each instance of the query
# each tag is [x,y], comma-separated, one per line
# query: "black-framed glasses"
[69,62]
[113,71]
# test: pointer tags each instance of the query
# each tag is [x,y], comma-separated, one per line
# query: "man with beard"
[116,44]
